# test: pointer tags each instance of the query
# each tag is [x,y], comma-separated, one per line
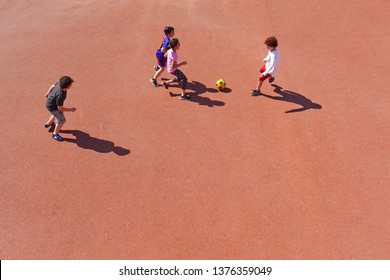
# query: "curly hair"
[65,81]
[271,41]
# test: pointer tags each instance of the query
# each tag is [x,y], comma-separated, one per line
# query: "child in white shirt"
[270,66]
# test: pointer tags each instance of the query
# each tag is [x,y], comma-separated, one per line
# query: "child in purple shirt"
[160,54]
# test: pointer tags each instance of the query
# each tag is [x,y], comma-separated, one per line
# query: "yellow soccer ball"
[221,84]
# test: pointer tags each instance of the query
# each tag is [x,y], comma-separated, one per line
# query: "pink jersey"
[171,58]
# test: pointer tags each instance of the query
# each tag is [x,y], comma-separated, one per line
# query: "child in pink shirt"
[172,66]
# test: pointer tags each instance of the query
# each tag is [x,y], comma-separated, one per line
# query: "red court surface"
[300,172]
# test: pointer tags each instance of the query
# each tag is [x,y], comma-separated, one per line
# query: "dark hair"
[174,42]
[271,41]
[65,81]
[168,29]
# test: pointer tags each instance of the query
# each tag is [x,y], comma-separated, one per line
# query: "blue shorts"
[161,59]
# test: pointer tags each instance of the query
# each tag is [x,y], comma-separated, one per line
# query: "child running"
[172,65]
[270,66]
[55,98]
[160,54]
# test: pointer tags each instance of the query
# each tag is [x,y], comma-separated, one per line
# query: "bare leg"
[259,84]
[51,120]
[158,73]
[256,91]
[58,128]
[166,83]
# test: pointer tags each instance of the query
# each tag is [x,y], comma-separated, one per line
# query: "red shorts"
[263,78]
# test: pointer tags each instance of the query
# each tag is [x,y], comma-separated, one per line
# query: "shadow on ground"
[85,141]
[293,97]
[195,89]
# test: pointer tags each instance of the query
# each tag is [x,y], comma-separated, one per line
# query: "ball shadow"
[226,90]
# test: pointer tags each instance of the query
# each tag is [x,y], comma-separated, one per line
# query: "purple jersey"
[161,60]
[164,44]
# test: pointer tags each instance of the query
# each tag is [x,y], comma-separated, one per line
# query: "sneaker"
[185,97]
[156,68]
[49,125]
[165,84]
[256,92]
[57,137]
[154,82]
[271,79]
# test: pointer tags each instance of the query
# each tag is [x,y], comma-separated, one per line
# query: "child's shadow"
[293,97]
[83,140]
[197,89]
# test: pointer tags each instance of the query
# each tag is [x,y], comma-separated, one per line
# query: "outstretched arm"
[65,109]
[176,65]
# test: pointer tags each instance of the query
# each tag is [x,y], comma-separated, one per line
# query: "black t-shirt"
[55,98]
